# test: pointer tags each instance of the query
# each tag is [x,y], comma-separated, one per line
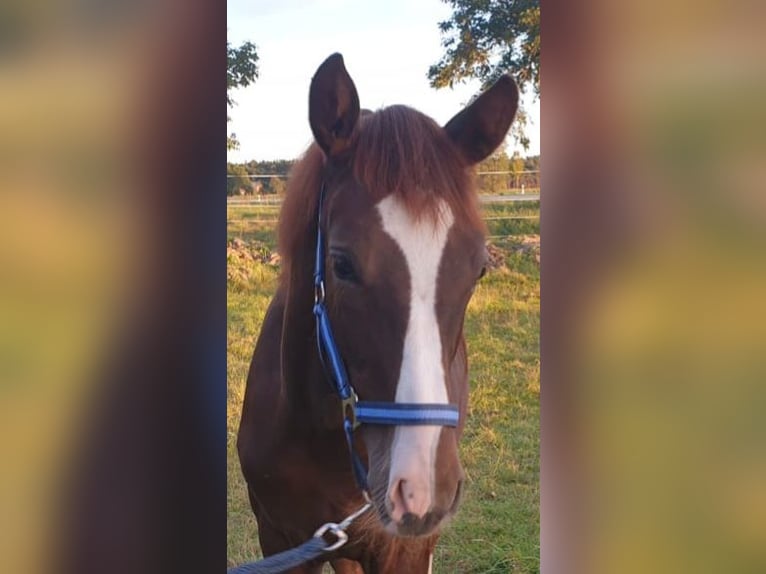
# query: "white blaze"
[421,378]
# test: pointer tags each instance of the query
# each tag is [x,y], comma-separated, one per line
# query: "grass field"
[258,221]
[497,527]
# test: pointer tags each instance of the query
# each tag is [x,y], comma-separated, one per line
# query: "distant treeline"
[517,173]
[240,182]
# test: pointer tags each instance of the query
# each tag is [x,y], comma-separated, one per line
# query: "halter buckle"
[348,408]
[319,292]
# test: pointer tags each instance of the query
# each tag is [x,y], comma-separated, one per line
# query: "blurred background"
[109,113]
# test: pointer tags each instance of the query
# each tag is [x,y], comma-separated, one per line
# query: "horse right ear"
[481,127]
[333,106]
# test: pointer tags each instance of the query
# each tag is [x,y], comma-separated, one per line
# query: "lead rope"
[312,548]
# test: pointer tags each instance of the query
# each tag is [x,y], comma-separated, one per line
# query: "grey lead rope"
[312,548]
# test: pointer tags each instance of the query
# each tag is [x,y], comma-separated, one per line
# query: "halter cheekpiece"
[356,412]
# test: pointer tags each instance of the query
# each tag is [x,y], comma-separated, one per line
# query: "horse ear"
[333,106]
[481,127]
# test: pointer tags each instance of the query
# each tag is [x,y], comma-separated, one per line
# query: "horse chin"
[415,527]
[412,526]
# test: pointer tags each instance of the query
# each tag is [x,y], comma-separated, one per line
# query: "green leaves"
[487,38]
[241,71]
[241,67]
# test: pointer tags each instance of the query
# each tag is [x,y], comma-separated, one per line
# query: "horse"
[385,201]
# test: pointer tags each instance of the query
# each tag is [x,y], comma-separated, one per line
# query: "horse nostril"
[408,495]
[398,504]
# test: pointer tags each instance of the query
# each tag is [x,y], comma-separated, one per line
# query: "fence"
[496,182]
[505,216]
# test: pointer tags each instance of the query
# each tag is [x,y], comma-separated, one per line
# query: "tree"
[278,186]
[241,71]
[491,181]
[487,38]
[237,180]
[517,167]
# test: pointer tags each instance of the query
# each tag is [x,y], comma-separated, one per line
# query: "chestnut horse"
[404,247]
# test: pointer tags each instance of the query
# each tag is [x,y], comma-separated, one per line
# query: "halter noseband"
[356,412]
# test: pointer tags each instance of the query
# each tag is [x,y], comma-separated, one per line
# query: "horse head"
[404,249]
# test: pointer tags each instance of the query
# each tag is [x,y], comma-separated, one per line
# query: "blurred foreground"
[653,283]
[107,433]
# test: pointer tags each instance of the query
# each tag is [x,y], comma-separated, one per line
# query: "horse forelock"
[400,151]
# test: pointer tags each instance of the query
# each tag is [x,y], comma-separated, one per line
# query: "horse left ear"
[333,106]
[481,127]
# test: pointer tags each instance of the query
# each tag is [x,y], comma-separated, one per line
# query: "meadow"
[257,222]
[497,527]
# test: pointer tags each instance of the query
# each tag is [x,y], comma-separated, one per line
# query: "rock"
[529,245]
[495,257]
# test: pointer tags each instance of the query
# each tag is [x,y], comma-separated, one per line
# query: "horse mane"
[297,218]
[396,150]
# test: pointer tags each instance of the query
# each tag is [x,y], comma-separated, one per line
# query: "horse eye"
[343,268]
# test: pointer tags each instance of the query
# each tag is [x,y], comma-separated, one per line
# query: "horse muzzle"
[407,523]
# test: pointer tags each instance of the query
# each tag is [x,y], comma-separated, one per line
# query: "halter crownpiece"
[356,412]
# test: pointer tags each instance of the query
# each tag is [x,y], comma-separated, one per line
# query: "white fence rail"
[522,182]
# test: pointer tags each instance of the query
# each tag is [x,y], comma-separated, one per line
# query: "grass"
[512,218]
[258,221]
[497,527]
[253,222]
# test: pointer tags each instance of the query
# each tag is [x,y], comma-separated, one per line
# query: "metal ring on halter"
[319,292]
[335,529]
[339,530]
[348,406]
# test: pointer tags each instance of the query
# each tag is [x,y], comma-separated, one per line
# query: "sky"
[387,48]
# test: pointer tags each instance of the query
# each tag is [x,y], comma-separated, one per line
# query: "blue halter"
[356,412]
